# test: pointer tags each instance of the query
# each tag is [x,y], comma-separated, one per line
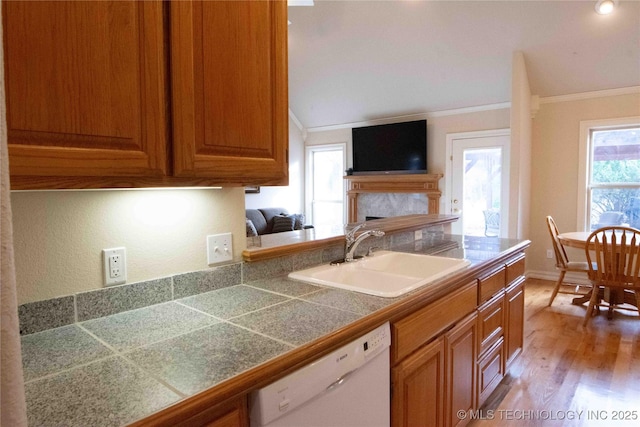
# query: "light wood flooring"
[566,368]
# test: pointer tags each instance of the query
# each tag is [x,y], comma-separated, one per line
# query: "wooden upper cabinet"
[86,89]
[229,90]
[146,93]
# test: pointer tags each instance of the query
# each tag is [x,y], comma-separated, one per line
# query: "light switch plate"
[219,248]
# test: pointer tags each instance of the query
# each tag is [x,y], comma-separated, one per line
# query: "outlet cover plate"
[114,261]
[219,248]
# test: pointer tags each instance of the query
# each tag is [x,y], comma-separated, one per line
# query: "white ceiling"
[353,61]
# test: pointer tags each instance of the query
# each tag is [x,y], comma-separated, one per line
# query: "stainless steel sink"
[385,273]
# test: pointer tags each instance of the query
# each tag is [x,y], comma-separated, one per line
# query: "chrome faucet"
[351,242]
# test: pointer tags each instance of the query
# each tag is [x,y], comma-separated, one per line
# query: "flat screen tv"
[390,149]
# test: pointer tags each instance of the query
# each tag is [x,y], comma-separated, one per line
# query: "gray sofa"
[273,220]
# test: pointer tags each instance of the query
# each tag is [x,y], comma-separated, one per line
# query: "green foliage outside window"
[616,161]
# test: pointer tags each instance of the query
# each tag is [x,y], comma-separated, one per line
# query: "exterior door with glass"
[478,175]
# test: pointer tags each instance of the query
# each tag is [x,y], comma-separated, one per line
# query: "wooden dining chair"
[615,254]
[563,264]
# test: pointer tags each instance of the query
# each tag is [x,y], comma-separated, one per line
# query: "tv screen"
[393,148]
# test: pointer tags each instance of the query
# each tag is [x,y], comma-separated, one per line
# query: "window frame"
[584,163]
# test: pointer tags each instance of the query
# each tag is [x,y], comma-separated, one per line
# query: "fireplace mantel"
[409,183]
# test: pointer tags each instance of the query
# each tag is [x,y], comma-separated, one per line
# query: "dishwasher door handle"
[340,380]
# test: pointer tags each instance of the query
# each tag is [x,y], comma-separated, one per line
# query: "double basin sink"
[384,273]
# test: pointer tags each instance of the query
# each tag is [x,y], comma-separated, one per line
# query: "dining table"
[578,240]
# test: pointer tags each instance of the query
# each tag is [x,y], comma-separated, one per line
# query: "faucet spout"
[352,242]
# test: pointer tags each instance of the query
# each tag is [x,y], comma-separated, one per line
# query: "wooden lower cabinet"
[436,381]
[236,417]
[418,384]
[460,364]
[448,356]
[231,413]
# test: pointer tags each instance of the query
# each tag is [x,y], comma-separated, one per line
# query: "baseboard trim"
[575,278]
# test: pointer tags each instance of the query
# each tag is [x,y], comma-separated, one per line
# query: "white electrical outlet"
[549,253]
[219,248]
[115,266]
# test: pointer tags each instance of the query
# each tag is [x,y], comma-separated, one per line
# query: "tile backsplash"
[66,310]
[42,315]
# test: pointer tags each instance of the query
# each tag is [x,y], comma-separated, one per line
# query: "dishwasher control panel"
[375,341]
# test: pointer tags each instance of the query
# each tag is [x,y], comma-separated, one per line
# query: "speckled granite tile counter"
[114,370]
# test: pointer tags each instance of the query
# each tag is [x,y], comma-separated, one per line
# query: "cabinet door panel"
[418,385]
[229,75]
[461,350]
[85,86]
[514,333]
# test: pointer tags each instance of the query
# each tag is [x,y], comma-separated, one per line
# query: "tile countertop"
[115,370]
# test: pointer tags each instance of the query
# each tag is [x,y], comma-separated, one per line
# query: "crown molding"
[298,124]
[457,111]
[588,95]
[409,117]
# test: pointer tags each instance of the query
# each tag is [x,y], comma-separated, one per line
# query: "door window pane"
[482,179]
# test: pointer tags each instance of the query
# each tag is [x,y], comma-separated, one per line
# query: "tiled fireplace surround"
[383,205]
[65,310]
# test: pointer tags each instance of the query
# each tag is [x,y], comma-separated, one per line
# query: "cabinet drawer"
[515,269]
[490,322]
[491,284]
[490,371]
[418,328]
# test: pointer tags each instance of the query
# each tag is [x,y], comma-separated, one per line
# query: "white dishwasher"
[349,387]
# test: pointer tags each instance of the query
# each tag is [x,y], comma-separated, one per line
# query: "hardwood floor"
[569,375]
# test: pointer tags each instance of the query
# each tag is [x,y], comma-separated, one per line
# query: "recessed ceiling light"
[605,7]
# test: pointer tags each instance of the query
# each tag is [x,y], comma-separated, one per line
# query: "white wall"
[290,197]
[438,126]
[59,235]
[554,172]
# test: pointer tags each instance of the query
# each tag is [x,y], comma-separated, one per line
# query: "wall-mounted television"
[390,149]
